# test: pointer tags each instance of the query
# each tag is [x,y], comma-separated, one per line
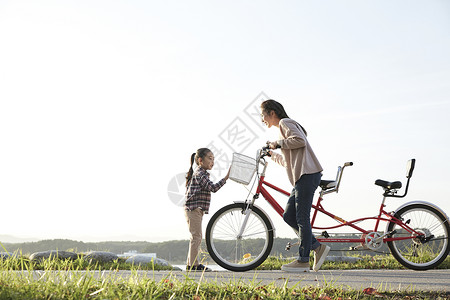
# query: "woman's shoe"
[296,267]
[319,256]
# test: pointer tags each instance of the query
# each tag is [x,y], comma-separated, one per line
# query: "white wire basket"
[242,168]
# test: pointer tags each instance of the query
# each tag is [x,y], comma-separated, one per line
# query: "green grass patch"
[365,262]
[21,263]
[21,278]
[70,285]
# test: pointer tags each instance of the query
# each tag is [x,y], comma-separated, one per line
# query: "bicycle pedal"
[288,246]
[391,233]
[355,248]
[325,234]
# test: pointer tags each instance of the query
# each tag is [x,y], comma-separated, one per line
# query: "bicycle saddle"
[388,185]
[327,184]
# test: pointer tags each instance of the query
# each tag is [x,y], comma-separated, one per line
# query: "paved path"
[432,280]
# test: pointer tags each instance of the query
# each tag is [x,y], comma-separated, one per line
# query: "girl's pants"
[297,213]
[194,220]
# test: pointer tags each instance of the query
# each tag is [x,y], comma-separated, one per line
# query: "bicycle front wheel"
[239,239]
[427,250]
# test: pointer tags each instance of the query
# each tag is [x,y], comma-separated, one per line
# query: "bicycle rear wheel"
[426,251]
[239,253]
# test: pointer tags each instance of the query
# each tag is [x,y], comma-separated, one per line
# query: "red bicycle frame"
[319,208]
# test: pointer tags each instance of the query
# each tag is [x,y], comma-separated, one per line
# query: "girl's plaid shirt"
[198,192]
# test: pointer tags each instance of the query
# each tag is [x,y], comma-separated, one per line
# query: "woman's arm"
[278,158]
[294,136]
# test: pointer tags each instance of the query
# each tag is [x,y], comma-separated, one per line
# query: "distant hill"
[75,246]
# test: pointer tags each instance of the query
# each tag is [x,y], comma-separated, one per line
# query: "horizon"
[12,239]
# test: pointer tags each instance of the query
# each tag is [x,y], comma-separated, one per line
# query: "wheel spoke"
[246,251]
[430,247]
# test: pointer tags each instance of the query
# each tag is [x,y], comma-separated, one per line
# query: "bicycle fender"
[420,202]
[262,210]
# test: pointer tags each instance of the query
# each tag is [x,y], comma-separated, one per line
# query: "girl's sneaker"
[296,267]
[199,267]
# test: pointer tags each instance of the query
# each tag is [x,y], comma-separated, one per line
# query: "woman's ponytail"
[191,170]
[272,105]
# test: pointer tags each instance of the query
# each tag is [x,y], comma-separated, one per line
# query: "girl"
[198,195]
[304,172]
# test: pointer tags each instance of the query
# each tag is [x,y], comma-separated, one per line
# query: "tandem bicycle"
[240,236]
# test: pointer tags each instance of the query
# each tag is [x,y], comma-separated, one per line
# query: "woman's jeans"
[297,213]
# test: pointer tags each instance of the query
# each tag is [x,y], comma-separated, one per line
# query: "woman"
[304,172]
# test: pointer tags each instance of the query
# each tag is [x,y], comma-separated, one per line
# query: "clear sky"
[103,102]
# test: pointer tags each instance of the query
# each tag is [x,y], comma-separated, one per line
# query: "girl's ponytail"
[201,153]
[191,170]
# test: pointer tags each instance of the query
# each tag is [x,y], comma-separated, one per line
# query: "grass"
[67,284]
[23,263]
[21,278]
[365,262]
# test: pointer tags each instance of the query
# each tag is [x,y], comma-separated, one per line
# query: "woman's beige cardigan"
[297,155]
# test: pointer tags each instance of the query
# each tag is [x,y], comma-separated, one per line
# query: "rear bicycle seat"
[388,185]
[390,188]
[327,184]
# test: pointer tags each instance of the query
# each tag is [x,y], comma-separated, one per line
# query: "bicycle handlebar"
[265,151]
